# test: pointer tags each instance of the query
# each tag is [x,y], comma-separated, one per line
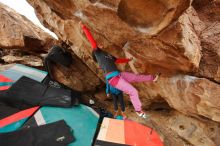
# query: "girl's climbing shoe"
[116,114]
[141,114]
[119,118]
[124,115]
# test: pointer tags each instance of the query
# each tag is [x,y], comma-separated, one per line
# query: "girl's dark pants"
[119,98]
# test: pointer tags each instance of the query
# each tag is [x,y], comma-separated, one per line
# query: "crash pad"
[126,132]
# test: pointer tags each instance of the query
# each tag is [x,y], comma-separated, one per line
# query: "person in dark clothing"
[117,96]
[119,80]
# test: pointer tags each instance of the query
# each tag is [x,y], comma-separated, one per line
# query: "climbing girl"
[117,79]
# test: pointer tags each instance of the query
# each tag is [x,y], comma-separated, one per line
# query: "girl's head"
[93,53]
[93,56]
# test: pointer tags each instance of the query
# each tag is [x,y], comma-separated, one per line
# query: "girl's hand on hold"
[156,77]
[80,23]
[131,58]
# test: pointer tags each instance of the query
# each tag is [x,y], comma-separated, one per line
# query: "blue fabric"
[112,74]
[109,88]
[119,118]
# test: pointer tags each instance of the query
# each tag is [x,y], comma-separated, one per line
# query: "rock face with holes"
[194,131]
[18,32]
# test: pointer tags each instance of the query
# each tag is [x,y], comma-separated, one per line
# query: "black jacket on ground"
[6,110]
[26,93]
[54,134]
[59,56]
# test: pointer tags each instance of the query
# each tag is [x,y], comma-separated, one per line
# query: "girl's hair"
[93,54]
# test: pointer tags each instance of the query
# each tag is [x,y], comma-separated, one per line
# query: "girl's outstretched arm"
[89,36]
[122,60]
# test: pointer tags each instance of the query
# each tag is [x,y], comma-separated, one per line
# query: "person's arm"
[89,36]
[122,60]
